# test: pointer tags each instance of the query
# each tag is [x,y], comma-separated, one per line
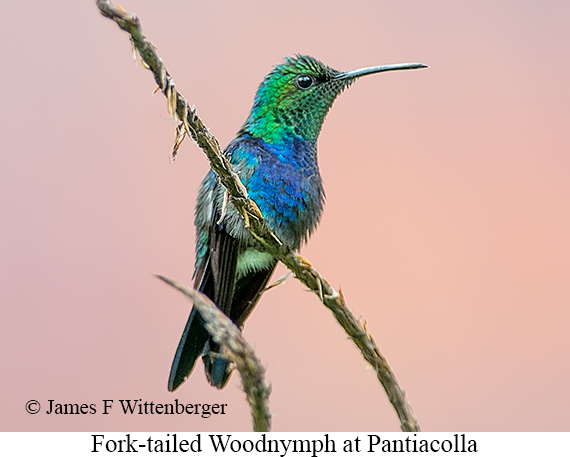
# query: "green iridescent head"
[293,100]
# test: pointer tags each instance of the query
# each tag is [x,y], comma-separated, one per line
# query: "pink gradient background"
[447,222]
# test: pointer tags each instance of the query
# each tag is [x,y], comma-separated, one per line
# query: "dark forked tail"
[190,347]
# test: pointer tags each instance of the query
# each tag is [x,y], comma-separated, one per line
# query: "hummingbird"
[275,156]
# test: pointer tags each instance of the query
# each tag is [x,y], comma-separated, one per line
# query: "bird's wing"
[215,277]
[218,279]
[247,293]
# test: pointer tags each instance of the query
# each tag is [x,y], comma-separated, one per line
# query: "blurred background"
[446,225]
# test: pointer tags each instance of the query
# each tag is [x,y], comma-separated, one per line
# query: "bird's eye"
[304,81]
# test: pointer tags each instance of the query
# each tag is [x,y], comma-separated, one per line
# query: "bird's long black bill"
[353,74]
